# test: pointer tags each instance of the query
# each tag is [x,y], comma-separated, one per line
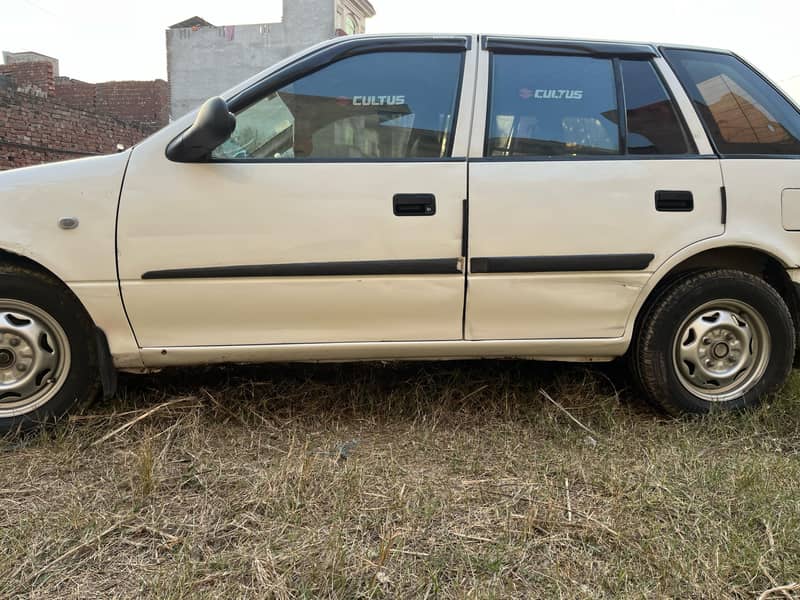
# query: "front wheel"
[47,352]
[718,339]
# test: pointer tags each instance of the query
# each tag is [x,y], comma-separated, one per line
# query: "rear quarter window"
[742,112]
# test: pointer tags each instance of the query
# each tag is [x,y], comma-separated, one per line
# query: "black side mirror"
[213,125]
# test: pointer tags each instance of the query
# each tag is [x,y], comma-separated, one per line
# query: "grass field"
[438,480]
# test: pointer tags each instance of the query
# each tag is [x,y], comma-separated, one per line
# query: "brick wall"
[142,102]
[31,77]
[36,129]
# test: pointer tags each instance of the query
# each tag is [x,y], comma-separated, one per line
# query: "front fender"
[34,199]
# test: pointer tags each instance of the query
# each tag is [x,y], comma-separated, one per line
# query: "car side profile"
[424,197]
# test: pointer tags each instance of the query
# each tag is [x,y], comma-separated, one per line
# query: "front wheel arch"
[104,360]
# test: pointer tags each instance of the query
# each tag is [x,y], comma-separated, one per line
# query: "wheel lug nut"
[22,368]
[14,342]
[706,341]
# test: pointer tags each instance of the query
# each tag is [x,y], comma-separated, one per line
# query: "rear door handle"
[674,201]
[414,205]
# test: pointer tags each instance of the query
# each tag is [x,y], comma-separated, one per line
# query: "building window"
[351,25]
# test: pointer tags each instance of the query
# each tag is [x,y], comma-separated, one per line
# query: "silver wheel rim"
[34,357]
[721,350]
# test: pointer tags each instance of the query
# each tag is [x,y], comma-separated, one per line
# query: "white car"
[424,197]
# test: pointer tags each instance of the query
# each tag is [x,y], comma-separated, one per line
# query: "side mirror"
[213,125]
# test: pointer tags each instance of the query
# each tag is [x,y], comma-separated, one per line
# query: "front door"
[333,214]
[586,182]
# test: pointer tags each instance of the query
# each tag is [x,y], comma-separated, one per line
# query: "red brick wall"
[36,130]
[142,102]
[32,77]
[77,93]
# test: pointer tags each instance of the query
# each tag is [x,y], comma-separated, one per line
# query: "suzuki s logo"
[379,100]
[527,94]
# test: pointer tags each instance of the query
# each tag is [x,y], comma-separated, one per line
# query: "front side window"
[651,117]
[741,111]
[380,106]
[552,106]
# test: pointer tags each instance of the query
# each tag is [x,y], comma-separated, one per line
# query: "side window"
[552,106]
[653,123]
[385,105]
[742,112]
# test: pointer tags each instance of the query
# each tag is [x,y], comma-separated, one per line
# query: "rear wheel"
[47,353]
[718,339]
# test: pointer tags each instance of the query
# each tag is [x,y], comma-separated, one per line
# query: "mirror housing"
[212,126]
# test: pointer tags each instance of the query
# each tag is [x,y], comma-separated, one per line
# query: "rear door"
[586,180]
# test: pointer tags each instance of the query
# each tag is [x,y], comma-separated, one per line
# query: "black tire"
[79,381]
[655,354]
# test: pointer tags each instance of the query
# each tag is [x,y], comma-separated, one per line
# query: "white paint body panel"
[35,198]
[562,208]
[224,214]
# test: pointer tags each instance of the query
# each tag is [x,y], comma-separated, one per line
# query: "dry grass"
[419,480]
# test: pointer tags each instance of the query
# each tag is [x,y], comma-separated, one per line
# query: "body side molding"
[561,264]
[425,266]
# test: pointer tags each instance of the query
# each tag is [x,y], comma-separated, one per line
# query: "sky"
[102,40]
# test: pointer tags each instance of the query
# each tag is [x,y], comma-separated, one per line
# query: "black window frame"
[664,50]
[336,52]
[603,50]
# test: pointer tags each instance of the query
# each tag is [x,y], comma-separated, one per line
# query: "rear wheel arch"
[741,258]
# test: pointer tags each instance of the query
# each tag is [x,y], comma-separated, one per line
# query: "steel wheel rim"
[35,357]
[721,350]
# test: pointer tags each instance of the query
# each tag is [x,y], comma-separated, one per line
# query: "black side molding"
[561,264]
[513,45]
[724,194]
[425,266]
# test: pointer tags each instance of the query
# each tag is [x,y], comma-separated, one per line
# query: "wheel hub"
[7,358]
[721,350]
[34,357]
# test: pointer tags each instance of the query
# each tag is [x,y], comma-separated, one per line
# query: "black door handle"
[674,201]
[414,205]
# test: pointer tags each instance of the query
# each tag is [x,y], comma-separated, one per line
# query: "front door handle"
[674,201]
[414,205]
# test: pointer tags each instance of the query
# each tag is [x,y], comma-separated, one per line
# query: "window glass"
[653,123]
[743,113]
[389,105]
[552,106]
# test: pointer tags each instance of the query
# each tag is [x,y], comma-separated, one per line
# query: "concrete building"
[204,60]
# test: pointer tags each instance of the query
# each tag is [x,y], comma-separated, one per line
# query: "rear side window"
[552,106]
[653,123]
[380,106]
[741,111]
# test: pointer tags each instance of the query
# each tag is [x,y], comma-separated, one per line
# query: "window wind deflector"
[508,45]
[344,49]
